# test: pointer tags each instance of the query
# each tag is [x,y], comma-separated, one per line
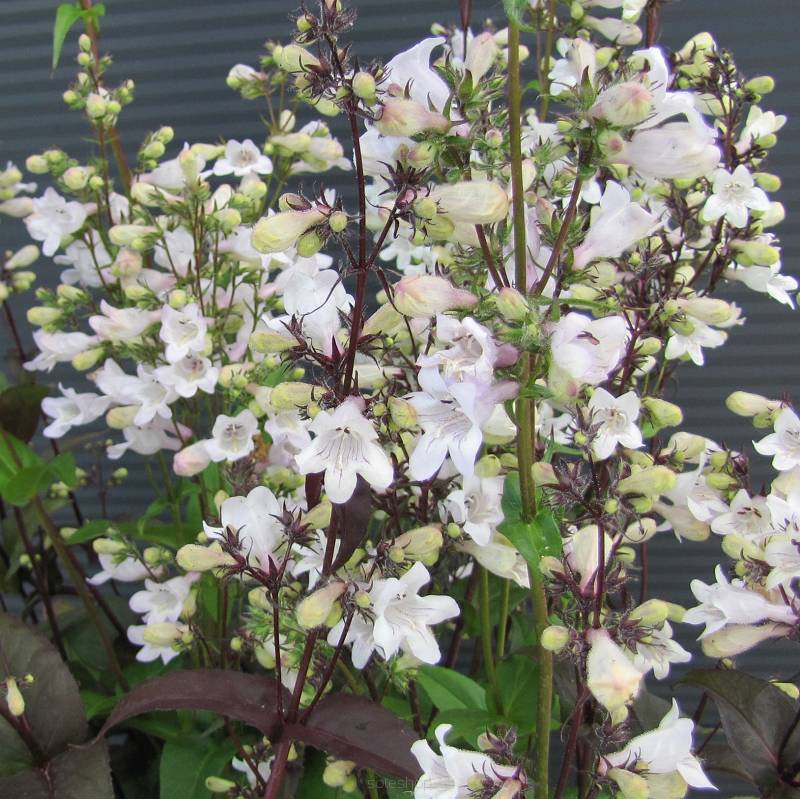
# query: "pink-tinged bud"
[191,460]
[428,295]
[507,355]
[481,54]
[478,202]
[404,117]
[281,231]
[624,105]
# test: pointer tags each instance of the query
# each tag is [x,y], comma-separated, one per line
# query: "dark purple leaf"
[756,717]
[244,697]
[354,728]
[81,772]
[352,520]
[20,410]
[53,694]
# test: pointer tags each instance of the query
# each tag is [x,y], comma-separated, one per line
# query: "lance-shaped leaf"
[759,721]
[352,522]
[354,728]
[244,697]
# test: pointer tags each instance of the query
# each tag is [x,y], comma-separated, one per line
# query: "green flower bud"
[14,698]
[648,481]
[41,315]
[364,86]
[554,638]
[219,785]
[661,413]
[762,84]
[315,609]
[194,558]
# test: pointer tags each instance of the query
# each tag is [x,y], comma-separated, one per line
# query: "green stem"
[526,419]
[505,597]
[486,640]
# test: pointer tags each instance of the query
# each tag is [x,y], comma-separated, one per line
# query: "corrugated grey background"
[179,52]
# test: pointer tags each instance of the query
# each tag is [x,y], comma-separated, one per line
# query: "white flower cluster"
[362,432]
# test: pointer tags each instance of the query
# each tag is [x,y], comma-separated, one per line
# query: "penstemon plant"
[408,444]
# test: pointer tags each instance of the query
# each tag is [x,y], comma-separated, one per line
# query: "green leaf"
[14,452]
[534,539]
[511,503]
[67,15]
[20,489]
[62,468]
[96,704]
[450,690]
[89,531]
[518,680]
[186,763]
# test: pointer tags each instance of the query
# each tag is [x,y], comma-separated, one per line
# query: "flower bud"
[108,546]
[219,785]
[734,639]
[652,613]
[165,633]
[127,234]
[191,460]
[488,466]
[362,599]
[401,116]
[631,786]
[625,104]
[23,257]
[14,698]
[423,296]
[337,772]
[650,481]
[543,474]
[293,58]
[762,84]
[37,164]
[18,208]
[707,309]
[319,516]
[789,688]
[195,558]
[611,676]
[641,530]
[512,305]
[554,638]
[744,403]
[661,413]
[472,202]
[291,395]
[280,231]
[315,609]
[309,244]
[481,55]
[364,87]
[96,106]
[422,543]
[40,315]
